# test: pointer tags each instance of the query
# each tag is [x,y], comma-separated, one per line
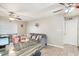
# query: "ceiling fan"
[67,7]
[13,16]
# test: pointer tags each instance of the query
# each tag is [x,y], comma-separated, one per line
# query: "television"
[4,41]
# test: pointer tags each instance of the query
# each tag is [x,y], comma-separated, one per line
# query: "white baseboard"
[56,46]
[70,44]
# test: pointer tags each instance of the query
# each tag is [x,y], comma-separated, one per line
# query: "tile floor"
[68,50]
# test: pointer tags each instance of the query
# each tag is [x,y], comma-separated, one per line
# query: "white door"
[71,32]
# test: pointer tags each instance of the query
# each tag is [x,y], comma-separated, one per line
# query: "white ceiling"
[29,11]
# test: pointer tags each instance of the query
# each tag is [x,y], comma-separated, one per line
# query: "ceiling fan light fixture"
[12,19]
[68,10]
[71,9]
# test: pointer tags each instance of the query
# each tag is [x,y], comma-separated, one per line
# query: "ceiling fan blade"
[57,11]
[11,12]
[67,4]
[62,3]
[18,18]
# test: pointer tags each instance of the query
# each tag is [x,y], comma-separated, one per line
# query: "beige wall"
[78,32]
[21,30]
[52,26]
[7,27]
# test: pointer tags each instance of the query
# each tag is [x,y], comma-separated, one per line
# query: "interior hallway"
[68,50]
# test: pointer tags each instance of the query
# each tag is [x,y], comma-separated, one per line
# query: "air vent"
[68,18]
